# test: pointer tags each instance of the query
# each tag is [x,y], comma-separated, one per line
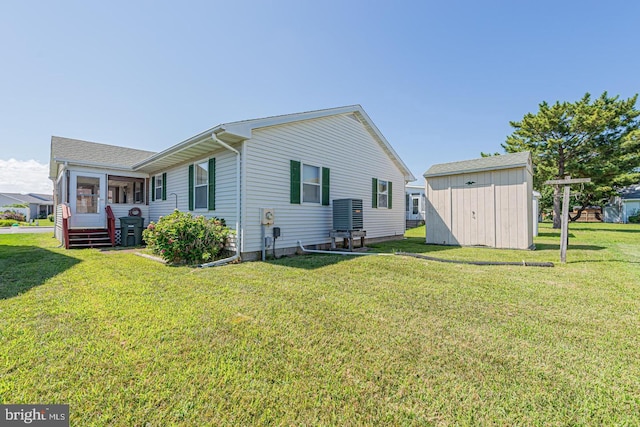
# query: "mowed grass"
[328,340]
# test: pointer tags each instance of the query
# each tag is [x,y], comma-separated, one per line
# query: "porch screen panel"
[87,194]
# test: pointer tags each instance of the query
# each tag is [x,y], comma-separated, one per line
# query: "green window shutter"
[295,182]
[389,194]
[374,192]
[325,186]
[190,187]
[153,188]
[212,184]
[164,186]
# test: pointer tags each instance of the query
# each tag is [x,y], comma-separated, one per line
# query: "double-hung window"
[158,187]
[201,185]
[381,192]
[310,184]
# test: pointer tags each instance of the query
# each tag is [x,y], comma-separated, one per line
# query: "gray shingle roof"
[45,197]
[93,152]
[631,192]
[39,199]
[504,161]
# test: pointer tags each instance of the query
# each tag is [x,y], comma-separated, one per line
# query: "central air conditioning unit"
[347,215]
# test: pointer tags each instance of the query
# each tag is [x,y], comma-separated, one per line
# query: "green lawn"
[328,340]
[38,223]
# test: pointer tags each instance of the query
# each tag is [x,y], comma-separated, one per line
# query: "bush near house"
[182,238]
[13,215]
[635,217]
[7,222]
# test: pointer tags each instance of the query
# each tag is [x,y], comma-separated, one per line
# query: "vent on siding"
[347,215]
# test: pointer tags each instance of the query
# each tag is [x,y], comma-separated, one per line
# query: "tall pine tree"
[596,139]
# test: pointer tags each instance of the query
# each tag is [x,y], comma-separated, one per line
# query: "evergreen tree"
[596,139]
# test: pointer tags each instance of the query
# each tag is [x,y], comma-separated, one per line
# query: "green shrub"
[635,217]
[7,222]
[13,215]
[184,238]
[50,218]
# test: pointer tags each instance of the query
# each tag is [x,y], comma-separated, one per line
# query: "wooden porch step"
[89,238]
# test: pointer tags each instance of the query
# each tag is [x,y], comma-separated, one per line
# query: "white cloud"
[17,176]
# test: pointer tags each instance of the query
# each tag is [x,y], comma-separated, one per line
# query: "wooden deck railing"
[66,214]
[111,225]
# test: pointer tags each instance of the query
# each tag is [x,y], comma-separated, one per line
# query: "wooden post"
[564,233]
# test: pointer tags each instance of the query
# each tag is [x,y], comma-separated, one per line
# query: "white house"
[481,202]
[630,200]
[415,205]
[294,164]
[626,204]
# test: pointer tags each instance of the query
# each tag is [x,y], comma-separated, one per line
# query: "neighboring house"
[39,205]
[626,204]
[415,204]
[481,202]
[295,164]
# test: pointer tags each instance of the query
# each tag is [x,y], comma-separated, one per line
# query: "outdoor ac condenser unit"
[347,214]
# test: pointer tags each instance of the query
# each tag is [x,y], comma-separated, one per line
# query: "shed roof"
[504,161]
[81,152]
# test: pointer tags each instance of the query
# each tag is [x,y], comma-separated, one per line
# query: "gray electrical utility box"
[347,214]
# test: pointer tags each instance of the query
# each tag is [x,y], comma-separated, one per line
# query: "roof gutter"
[95,164]
[176,148]
[238,211]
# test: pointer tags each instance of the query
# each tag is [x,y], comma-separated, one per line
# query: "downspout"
[238,212]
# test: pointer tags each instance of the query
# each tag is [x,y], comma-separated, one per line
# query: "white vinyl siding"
[340,143]
[178,189]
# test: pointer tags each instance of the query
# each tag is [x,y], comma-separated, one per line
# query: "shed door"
[472,210]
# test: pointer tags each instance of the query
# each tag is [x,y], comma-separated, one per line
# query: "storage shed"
[481,202]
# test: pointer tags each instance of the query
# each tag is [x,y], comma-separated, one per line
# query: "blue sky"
[441,80]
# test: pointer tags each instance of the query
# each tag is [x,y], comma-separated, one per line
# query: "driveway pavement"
[22,230]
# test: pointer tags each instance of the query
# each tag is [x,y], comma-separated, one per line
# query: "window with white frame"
[310,184]
[157,190]
[201,185]
[138,192]
[383,191]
